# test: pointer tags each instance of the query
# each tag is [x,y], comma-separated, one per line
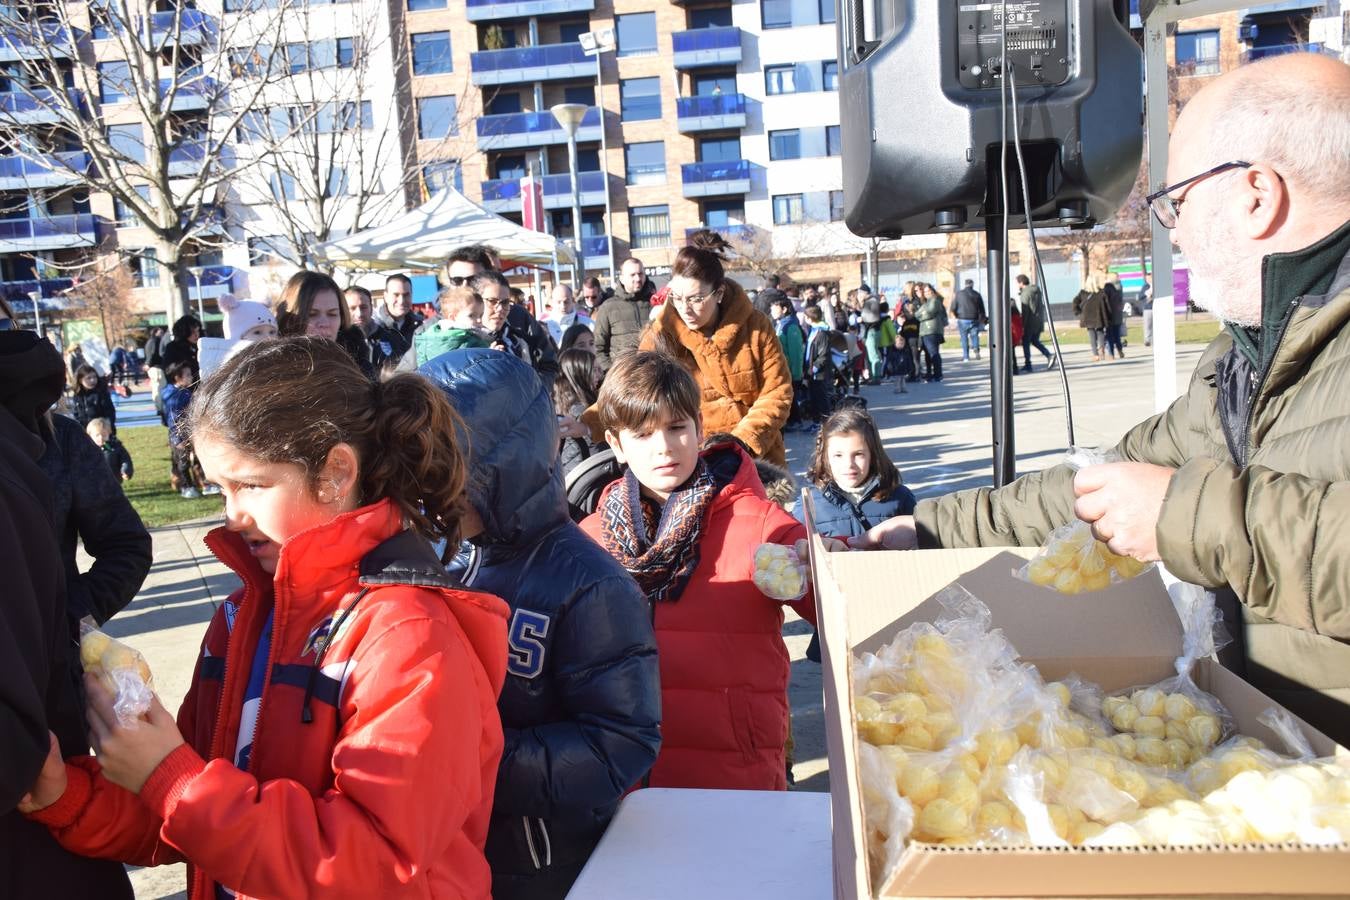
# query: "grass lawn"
[149,492]
[1196,331]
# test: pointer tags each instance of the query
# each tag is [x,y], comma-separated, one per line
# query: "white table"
[669,844]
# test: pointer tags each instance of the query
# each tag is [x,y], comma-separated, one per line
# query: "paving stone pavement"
[938,434]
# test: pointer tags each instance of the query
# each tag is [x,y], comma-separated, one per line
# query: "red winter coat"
[724,668]
[386,793]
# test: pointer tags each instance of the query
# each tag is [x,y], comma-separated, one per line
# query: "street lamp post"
[596,43]
[196,273]
[569,116]
[36,297]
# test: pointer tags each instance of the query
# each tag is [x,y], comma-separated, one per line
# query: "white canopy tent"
[423,237]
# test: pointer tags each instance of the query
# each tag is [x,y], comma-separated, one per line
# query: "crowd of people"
[435,682]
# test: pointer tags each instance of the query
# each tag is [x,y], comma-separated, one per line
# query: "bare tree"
[104,292]
[146,98]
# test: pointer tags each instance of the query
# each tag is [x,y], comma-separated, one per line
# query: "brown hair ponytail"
[292,400]
[702,259]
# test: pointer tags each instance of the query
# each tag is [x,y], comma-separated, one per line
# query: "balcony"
[530,64]
[488,10]
[35,106]
[532,129]
[29,41]
[195,92]
[711,113]
[194,27]
[20,290]
[186,159]
[48,233]
[209,282]
[19,173]
[707,179]
[707,47]
[503,194]
[735,234]
[595,252]
[1256,53]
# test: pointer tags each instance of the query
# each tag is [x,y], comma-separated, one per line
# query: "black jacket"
[116,456]
[582,700]
[620,321]
[525,331]
[766,298]
[401,332]
[96,404]
[37,654]
[181,351]
[90,508]
[373,352]
[969,305]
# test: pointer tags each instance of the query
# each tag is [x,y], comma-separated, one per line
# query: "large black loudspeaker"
[921,119]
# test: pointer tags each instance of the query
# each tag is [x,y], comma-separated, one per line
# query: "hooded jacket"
[724,667]
[620,321]
[384,792]
[38,665]
[1260,500]
[741,371]
[402,330]
[581,704]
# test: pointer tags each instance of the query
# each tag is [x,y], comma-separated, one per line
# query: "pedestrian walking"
[1031,303]
[969,312]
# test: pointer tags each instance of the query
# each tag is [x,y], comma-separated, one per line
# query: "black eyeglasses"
[458,280]
[1166,209]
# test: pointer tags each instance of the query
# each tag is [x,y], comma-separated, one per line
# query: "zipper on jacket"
[529,841]
[1261,381]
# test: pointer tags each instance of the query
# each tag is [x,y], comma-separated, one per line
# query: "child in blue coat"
[854,484]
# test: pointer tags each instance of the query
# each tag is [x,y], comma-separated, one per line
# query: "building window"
[714,85]
[833,147]
[337,183]
[579,93]
[284,186]
[827,12]
[349,117]
[636,34]
[346,52]
[776,13]
[649,226]
[836,206]
[123,213]
[436,117]
[145,268]
[510,167]
[719,149]
[264,250]
[127,140]
[710,17]
[639,99]
[571,32]
[420,5]
[785,144]
[829,75]
[588,160]
[114,82]
[722,213]
[437,176]
[431,53]
[1197,52]
[297,57]
[505,104]
[646,162]
[787,209]
[780,79]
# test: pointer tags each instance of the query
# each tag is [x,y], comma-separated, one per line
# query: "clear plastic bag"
[889,816]
[779,573]
[122,669]
[1073,561]
[1173,722]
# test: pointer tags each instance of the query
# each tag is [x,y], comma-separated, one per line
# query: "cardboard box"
[1121,637]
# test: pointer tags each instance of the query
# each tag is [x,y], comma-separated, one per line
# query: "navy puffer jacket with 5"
[581,707]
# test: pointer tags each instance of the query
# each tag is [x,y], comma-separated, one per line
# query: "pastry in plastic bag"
[122,670]
[779,573]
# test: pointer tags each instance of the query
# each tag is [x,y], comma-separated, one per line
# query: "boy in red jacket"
[686,524]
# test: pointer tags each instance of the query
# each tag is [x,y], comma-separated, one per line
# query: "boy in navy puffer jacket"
[581,707]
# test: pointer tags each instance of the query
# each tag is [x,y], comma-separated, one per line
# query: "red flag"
[532,203]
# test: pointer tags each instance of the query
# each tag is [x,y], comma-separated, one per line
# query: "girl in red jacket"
[686,525]
[340,737]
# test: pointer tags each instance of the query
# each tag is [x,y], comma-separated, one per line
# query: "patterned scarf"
[658,545]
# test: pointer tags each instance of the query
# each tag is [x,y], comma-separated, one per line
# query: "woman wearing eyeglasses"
[730,348]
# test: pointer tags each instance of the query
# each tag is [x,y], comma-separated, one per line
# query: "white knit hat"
[241,315]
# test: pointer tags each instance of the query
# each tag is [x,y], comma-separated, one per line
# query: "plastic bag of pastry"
[121,668]
[1173,722]
[1281,721]
[779,573]
[1073,561]
[888,817]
